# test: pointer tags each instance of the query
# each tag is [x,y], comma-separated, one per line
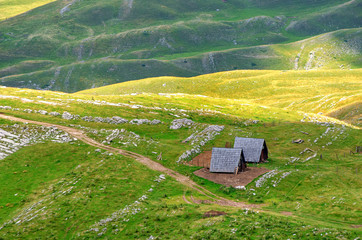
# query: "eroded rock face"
[14,137]
[199,139]
[110,120]
[69,116]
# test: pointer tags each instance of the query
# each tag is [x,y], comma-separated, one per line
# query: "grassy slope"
[323,193]
[101,33]
[310,91]
[314,192]
[350,113]
[339,49]
[11,8]
[104,184]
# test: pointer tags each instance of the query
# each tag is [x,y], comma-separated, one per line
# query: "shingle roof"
[252,147]
[225,159]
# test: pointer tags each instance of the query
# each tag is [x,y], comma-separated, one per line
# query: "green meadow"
[71,46]
[306,195]
[11,8]
[285,71]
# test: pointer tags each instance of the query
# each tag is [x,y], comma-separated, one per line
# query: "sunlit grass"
[11,8]
[309,91]
[308,192]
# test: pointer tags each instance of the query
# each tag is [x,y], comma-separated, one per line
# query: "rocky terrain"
[14,137]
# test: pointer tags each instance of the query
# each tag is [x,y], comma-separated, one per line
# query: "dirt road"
[80,135]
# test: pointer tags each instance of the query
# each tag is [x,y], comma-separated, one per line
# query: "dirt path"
[80,135]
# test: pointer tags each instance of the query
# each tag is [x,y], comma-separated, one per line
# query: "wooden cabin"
[255,149]
[227,160]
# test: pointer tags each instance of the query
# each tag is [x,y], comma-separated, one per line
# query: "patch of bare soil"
[229,179]
[201,160]
[213,213]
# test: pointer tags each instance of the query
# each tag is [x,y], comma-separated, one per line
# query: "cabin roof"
[252,147]
[225,160]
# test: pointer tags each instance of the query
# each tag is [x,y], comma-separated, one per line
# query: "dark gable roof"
[225,159]
[252,147]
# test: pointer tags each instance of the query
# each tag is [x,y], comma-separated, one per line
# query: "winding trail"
[80,135]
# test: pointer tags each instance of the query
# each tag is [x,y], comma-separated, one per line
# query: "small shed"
[227,160]
[255,149]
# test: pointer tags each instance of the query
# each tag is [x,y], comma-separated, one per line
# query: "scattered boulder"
[140,121]
[155,122]
[118,120]
[241,187]
[43,112]
[67,116]
[6,107]
[298,141]
[87,119]
[98,119]
[55,114]
[179,123]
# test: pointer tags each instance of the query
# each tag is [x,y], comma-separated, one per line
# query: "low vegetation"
[286,71]
[86,44]
[319,91]
[11,8]
[318,188]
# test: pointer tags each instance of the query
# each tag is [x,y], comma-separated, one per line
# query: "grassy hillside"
[337,50]
[197,38]
[98,187]
[309,91]
[211,71]
[350,113]
[320,189]
[11,8]
[336,17]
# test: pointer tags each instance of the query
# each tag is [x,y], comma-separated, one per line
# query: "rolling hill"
[74,45]
[61,187]
[105,104]
[11,8]
[316,91]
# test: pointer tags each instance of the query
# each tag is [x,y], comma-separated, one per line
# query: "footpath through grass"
[87,194]
[318,186]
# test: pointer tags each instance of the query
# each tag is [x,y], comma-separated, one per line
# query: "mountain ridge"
[186,34]
[327,51]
